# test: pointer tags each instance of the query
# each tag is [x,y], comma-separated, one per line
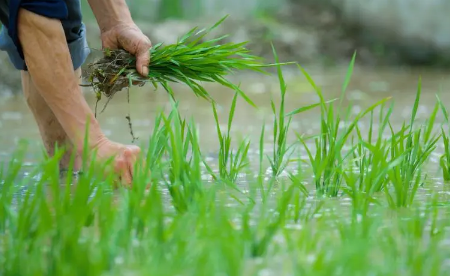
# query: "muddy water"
[367,87]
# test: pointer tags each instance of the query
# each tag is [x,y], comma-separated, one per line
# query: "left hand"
[130,38]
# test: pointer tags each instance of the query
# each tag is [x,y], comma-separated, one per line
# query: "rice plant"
[444,161]
[281,150]
[190,61]
[187,224]
[184,179]
[408,152]
[231,162]
[269,222]
[369,156]
[329,158]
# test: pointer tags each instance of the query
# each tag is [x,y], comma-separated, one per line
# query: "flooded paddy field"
[316,193]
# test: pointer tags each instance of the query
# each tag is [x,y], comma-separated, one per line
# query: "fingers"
[143,57]
[127,179]
[123,172]
[131,39]
[125,164]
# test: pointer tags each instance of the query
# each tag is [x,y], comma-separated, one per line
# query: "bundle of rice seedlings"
[191,60]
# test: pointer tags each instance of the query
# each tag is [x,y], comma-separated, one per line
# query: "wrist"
[112,24]
[84,134]
[95,136]
[116,28]
[110,13]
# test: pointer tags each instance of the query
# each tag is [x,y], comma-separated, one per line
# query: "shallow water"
[367,86]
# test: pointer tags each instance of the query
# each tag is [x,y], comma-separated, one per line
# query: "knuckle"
[145,44]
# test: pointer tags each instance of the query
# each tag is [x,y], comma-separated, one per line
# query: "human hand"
[130,38]
[125,157]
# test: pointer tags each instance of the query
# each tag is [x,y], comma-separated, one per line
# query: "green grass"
[264,224]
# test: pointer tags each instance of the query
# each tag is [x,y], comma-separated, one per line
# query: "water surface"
[366,88]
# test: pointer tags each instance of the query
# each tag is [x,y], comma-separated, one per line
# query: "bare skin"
[52,91]
[119,31]
[49,127]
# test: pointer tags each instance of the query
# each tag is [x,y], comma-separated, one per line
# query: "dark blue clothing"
[67,11]
[4,11]
[49,8]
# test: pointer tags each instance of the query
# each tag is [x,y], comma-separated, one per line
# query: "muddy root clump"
[111,73]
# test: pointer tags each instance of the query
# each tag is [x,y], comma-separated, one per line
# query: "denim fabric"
[73,26]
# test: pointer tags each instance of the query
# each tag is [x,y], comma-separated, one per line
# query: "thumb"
[143,58]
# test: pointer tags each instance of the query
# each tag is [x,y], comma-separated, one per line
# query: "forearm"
[110,13]
[49,63]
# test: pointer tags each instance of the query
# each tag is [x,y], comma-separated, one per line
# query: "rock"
[419,30]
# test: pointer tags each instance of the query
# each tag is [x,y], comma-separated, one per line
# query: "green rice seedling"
[297,179]
[329,157]
[369,159]
[217,241]
[156,144]
[65,241]
[372,158]
[260,163]
[376,244]
[429,125]
[269,223]
[190,61]
[444,161]
[140,216]
[47,224]
[230,163]
[298,200]
[184,181]
[372,167]
[81,232]
[361,198]
[282,151]
[407,155]
[404,188]
[8,176]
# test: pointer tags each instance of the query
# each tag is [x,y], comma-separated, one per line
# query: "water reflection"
[367,87]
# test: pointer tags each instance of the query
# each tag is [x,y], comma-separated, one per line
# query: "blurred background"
[319,32]
[397,41]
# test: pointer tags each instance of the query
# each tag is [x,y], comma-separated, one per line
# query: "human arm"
[49,64]
[110,13]
[118,30]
